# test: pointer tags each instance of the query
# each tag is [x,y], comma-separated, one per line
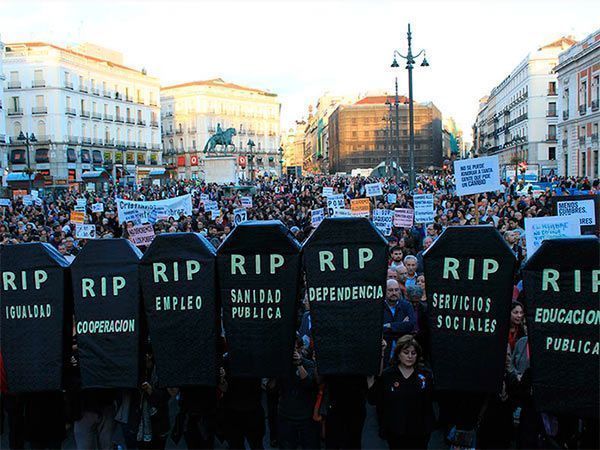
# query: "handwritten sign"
[85,231]
[538,229]
[77,216]
[403,217]
[423,208]
[327,191]
[239,215]
[382,219]
[246,202]
[317,216]
[141,234]
[360,207]
[98,207]
[373,189]
[392,198]
[335,202]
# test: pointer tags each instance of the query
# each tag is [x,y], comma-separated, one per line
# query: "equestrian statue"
[223,138]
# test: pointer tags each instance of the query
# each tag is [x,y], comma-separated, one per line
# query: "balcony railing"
[70,111]
[595,138]
[108,117]
[73,140]
[178,132]
[595,104]
[109,142]
[152,103]
[129,99]
[119,119]
[552,93]
[96,91]
[14,111]
[68,85]
[141,122]
[581,140]
[168,113]
[131,144]
[551,113]
[96,115]
[107,94]
[130,120]
[84,113]
[582,109]
[39,110]
[168,133]
[43,138]
[551,138]
[139,100]
[155,146]
[120,143]
[86,140]
[154,124]
[83,89]
[38,83]
[118,96]
[566,115]
[14,85]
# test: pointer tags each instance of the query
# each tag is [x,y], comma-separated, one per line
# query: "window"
[42,156]
[71,155]
[596,90]
[39,101]
[18,157]
[97,157]
[14,77]
[552,153]
[552,109]
[552,88]
[16,103]
[552,132]
[85,156]
[583,94]
[68,102]
[41,129]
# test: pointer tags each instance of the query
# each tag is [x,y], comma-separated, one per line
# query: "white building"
[518,120]
[3,153]
[578,72]
[85,108]
[192,112]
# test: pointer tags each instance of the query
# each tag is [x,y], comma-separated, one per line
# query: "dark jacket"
[398,325]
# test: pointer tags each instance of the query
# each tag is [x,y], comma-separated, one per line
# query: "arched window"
[95,133]
[41,128]
[17,129]
[83,130]
[69,129]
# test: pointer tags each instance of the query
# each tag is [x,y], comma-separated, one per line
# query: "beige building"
[192,113]
[86,110]
[292,143]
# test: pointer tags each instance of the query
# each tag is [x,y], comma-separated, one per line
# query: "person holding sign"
[403,395]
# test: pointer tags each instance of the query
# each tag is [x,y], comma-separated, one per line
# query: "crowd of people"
[303,410]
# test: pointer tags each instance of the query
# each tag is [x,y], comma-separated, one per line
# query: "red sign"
[193,160]
[181,161]
[242,161]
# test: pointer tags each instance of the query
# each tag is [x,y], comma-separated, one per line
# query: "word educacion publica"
[467,304]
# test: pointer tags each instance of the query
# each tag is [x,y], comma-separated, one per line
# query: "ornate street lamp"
[29,139]
[250,157]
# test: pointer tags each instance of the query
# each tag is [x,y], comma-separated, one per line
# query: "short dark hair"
[406,341]
[395,248]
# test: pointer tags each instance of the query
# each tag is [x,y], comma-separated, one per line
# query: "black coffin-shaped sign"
[106,293]
[178,277]
[33,286]
[470,275]
[562,290]
[259,277]
[345,261]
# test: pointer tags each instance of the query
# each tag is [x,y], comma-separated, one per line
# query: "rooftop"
[381,100]
[217,82]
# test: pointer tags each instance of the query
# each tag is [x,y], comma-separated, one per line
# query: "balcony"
[582,109]
[551,113]
[109,142]
[37,110]
[595,138]
[107,94]
[552,93]
[130,120]
[14,111]
[70,111]
[73,140]
[128,99]
[168,133]
[13,85]
[152,103]
[120,143]
[566,115]
[108,117]
[83,89]
[96,115]
[595,104]
[68,85]
[86,141]
[168,113]
[96,91]
[38,83]
[581,140]
[84,113]
[119,119]
[43,138]
[118,96]
[550,138]
[179,132]
[141,122]
[154,124]
[155,146]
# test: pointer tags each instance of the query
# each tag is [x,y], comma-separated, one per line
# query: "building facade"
[86,109]
[359,139]
[292,143]
[578,73]
[192,113]
[3,151]
[518,120]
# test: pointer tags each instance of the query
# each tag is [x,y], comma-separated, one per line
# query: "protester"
[398,316]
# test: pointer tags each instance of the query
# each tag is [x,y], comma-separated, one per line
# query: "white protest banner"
[171,207]
[477,175]
[131,215]
[212,207]
[423,208]
[382,219]
[27,200]
[81,202]
[246,202]
[239,215]
[373,189]
[85,231]
[204,197]
[403,217]
[327,191]
[98,207]
[79,208]
[392,198]
[317,216]
[335,202]
[582,210]
[342,212]
[141,234]
[5,202]
[538,229]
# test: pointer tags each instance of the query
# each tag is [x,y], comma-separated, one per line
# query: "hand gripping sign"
[106,297]
[345,261]
[178,278]
[35,318]
[259,275]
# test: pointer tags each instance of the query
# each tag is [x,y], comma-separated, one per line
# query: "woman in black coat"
[402,394]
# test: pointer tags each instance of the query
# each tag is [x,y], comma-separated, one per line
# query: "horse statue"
[223,138]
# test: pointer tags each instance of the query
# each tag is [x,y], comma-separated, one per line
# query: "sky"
[302,49]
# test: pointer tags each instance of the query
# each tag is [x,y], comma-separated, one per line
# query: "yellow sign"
[360,207]
[77,216]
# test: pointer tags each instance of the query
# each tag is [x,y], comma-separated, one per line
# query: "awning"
[92,174]
[156,172]
[19,176]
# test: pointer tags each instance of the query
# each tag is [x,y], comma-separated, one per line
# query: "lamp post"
[388,137]
[280,152]
[123,150]
[251,145]
[410,61]
[28,139]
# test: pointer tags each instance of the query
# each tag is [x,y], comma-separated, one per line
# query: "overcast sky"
[300,50]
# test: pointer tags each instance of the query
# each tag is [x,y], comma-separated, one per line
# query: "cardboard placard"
[77,217]
[317,216]
[477,175]
[35,316]
[141,234]
[106,296]
[424,212]
[586,208]
[335,202]
[345,260]
[360,207]
[259,281]
[85,231]
[470,273]
[403,217]
[382,219]
[178,279]
[373,190]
